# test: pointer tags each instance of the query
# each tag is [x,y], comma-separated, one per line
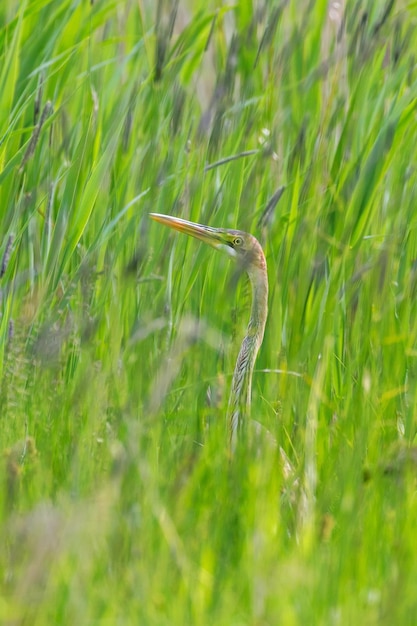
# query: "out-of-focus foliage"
[295,121]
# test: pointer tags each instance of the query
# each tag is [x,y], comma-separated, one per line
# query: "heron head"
[237,244]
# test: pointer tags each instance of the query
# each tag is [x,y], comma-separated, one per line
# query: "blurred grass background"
[295,121]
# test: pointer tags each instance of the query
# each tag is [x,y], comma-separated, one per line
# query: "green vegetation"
[118,502]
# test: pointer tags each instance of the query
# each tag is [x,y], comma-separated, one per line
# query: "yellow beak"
[213,236]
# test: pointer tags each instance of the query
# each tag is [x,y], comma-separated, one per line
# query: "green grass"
[118,502]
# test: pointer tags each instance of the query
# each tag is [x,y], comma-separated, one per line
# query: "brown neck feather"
[240,397]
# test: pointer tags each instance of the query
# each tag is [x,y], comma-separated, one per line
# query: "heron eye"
[238,241]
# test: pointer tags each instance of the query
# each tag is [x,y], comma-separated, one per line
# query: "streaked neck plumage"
[240,396]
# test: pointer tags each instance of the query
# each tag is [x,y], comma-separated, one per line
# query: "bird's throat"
[240,396]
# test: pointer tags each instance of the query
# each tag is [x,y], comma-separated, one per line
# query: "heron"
[246,250]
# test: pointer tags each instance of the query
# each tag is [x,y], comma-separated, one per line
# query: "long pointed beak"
[213,236]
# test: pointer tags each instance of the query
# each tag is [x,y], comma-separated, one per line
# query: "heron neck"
[240,396]
[259,281]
